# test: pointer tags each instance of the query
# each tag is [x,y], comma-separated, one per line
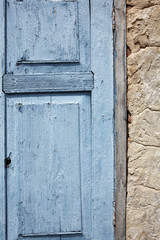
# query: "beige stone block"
[145,128]
[143,28]
[144,167]
[144,80]
[140,196]
[143,63]
[143,223]
[143,3]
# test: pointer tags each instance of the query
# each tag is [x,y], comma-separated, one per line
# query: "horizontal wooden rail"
[67,82]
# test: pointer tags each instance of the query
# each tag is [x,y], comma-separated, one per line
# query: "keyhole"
[8,160]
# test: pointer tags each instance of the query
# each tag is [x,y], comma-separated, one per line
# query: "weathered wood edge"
[51,234]
[120,118]
[2,118]
[48,83]
[102,119]
[46,61]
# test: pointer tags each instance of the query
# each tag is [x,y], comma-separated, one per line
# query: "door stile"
[103,121]
[2,125]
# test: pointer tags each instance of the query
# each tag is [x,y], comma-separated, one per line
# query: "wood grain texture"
[48,83]
[49,179]
[48,36]
[46,157]
[103,121]
[120,118]
[30,122]
[45,30]
[2,124]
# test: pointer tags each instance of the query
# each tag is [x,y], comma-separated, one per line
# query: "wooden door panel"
[57,121]
[46,140]
[45,31]
[46,36]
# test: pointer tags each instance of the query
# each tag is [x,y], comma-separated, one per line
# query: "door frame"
[121,120]
[120,87]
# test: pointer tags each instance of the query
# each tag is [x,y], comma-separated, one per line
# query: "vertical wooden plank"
[120,117]
[103,124]
[2,104]
[14,213]
[86,168]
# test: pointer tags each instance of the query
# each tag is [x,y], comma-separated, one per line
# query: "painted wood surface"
[84,164]
[49,178]
[2,126]
[48,83]
[103,119]
[45,30]
[48,36]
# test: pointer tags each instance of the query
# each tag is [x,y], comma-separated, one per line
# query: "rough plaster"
[143,63]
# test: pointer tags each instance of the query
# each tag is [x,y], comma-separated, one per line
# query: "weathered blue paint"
[2,124]
[60,38]
[43,37]
[59,124]
[49,178]
[67,82]
[103,121]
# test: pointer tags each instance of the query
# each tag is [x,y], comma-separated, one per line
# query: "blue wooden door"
[58,94]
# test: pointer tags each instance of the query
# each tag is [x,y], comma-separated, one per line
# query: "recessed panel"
[48,167]
[47,36]
[49,179]
[42,31]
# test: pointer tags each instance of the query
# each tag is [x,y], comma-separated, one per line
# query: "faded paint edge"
[103,119]
[120,118]
[2,132]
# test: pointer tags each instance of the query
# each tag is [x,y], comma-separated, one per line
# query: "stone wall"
[143,63]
